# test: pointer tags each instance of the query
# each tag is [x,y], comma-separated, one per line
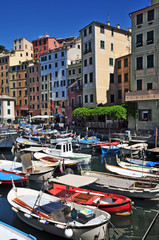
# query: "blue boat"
[110,149]
[8,232]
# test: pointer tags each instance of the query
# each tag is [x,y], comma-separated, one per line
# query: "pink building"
[43,45]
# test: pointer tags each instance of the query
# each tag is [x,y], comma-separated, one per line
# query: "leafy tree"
[132,109]
[2,49]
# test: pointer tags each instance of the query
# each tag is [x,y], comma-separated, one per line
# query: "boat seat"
[83,197]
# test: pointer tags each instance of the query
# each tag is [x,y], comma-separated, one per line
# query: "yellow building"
[101,45]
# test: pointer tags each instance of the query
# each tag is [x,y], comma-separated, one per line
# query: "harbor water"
[121,227]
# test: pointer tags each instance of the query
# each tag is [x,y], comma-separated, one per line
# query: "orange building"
[19,88]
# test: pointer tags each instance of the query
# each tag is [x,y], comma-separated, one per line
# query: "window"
[55,55]
[73,71]
[144,114]
[90,29]
[150,61]
[112,47]
[91,98]
[49,66]
[25,101]
[56,94]
[112,32]
[119,64]
[85,62]
[8,111]
[85,79]
[13,93]
[85,32]
[125,62]
[62,63]
[62,54]
[139,40]
[86,98]
[139,85]
[119,94]
[20,102]
[63,72]
[90,77]
[102,29]
[139,63]
[25,92]
[63,93]
[79,70]
[126,77]
[139,19]
[150,15]
[112,98]
[90,61]
[69,72]
[111,78]
[72,101]
[119,78]
[56,74]
[102,44]
[8,103]
[20,93]
[150,37]
[149,86]
[111,61]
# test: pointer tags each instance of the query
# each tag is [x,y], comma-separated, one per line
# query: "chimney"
[118,26]
[108,23]
[129,29]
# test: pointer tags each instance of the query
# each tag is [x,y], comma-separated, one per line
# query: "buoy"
[68,232]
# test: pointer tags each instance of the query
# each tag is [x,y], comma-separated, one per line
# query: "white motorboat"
[64,150]
[8,232]
[64,219]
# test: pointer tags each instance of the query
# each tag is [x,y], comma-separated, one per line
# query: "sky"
[61,18]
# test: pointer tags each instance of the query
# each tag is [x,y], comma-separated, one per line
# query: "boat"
[143,168]
[35,170]
[9,232]
[130,186]
[141,162]
[97,145]
[68,187]
[106,149]
[7,176]
[134,149]
[84,142]
[48,213]
[64,150]
[130,172]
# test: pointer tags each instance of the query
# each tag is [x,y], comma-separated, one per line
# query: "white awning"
[41,116]
[73,180]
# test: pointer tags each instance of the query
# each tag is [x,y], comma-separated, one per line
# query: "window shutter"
[149,115]
[140,114]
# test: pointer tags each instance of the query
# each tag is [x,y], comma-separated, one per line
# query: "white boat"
[132,187]
[35,170]
[49,213]
[64,150]
[10,233]
[131,173]
[134,149]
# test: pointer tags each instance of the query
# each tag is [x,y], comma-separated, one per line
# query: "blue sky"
[33,18]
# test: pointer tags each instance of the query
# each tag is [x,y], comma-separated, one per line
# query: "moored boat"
[7,176]
[134,149]
[9,232]
[111,203]
[49,213]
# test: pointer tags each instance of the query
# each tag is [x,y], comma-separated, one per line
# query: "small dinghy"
[111,203]
[10,233]
[64,219]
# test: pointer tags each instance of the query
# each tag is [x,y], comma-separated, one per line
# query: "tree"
[132,109]
[3,49]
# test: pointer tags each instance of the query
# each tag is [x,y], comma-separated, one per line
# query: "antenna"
[108,16]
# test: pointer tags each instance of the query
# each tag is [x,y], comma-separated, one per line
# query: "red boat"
[111,203]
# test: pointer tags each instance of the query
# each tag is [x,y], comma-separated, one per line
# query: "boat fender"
[68,232]
[43,221]
[27,215]
[14,209]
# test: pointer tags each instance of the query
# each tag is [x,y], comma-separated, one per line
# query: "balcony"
[87,51]
[77,105]
[142,95]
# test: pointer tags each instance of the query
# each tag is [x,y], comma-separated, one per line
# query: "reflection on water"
[122,227]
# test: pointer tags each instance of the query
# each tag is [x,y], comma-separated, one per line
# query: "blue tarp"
[152,164]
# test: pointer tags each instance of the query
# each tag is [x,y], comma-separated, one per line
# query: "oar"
[25,205]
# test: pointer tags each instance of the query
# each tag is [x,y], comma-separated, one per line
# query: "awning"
[41,116]
[61,115]
[73,180]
